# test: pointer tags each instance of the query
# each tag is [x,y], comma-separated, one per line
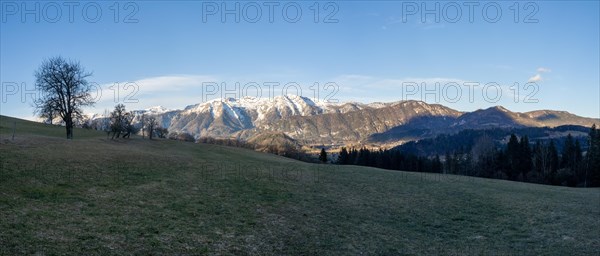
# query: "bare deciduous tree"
[151,125]
[64,90]
[482,156]
[120,122]
[543,157]
[161,132]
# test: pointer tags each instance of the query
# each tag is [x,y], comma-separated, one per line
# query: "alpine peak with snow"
[311,122]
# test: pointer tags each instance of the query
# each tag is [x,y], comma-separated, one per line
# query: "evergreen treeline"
[389,159]
[519,160]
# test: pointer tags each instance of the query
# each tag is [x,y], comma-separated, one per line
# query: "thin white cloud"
[543,70]
[172,91]
[538,76]
[178,91]
[535,78]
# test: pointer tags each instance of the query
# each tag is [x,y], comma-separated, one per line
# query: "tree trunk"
[69,127]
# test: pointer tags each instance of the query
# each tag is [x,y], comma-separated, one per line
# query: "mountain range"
[306,122]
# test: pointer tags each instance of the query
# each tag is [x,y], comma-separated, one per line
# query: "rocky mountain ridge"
[316,123]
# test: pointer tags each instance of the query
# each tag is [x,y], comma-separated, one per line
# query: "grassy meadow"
[92,195]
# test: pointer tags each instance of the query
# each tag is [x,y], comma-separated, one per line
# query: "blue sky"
[373,51]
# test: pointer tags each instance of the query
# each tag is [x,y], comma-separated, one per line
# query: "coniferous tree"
[386,159]
[592,175]
[353,157]
[570,157]
[539,161]
[362,157]
[513,151]
[323,156]
[519,160]
[525,157]
[343,156]
[396,160]
[568,153]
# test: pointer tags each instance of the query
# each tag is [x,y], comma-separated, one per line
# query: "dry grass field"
[93,196]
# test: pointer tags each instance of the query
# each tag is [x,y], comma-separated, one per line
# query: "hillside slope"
[491,118]
[96,196]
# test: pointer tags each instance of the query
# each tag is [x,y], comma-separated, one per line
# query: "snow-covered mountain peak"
[157,110]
